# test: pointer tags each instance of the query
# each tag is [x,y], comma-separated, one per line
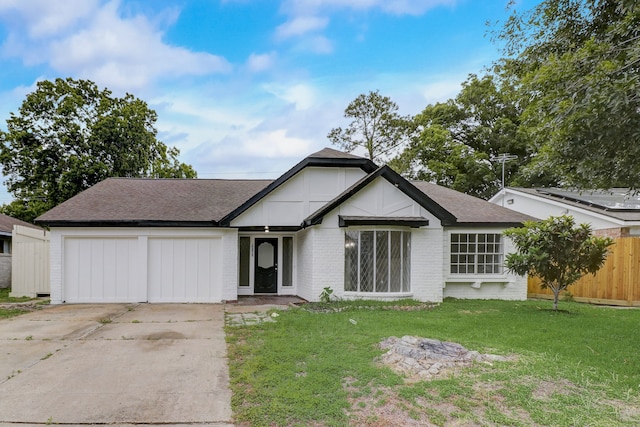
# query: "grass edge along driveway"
[317,366]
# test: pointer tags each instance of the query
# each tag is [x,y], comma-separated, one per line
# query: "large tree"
[576,64]
[460,139]
[376,126]
[556,251]
[68,135]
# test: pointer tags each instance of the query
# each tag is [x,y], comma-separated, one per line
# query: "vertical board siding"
[29,262]
[184,270]
[101,270]
[616,283]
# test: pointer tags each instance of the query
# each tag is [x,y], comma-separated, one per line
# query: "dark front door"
[266,268]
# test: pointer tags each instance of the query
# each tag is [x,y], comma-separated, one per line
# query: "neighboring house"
[334,220]
[614,213]
[6,229]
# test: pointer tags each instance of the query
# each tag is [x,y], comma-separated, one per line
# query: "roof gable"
[395,179]
[323,158]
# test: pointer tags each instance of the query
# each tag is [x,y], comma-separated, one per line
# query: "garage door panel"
[184,270]
[101,270]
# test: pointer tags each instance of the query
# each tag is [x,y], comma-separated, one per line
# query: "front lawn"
[579,366]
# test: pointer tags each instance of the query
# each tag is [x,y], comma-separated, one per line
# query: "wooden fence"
[30,262]
[616,283]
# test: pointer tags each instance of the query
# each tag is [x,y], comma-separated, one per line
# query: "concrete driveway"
[115,364]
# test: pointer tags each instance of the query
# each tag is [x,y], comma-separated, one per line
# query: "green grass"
[11,312]
[579,366]
[4,297]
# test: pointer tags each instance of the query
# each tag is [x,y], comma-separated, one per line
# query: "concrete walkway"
[115,364]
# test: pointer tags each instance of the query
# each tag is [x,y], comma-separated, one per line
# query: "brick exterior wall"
[614,233]
[426,264]
[5,270]
[305,261]
[230,265]
[496,286]
[55,266]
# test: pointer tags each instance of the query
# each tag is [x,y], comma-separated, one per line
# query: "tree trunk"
[556,294]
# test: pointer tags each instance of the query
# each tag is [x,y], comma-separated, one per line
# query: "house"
[334,220]
[613,213]
[7,223]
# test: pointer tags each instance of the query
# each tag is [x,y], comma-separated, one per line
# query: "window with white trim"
[476,253]
[377,261]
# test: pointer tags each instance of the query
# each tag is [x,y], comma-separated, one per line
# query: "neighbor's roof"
[7,222]
[469,209]
[618,203]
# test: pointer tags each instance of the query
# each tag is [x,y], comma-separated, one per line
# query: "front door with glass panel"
[266,266]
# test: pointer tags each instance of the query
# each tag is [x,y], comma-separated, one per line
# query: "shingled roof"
[7,222]
[140,201]
[215,202]
[470,210]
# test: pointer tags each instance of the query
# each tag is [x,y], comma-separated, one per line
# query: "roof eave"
[128,223]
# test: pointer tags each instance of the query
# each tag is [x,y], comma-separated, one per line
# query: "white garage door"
[116,269]
[101,270]
[184,269]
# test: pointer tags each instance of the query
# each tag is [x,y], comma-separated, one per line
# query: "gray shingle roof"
[168,200]
[7,222]
[469,209]
[208,201]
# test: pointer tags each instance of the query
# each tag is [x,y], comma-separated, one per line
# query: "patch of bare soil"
[26,306]
[384,407]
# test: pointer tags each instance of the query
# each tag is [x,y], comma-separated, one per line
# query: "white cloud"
[301,95]
[260,62]
[301,25]
[396,7]
[43,18]
[99,44]
[274,144]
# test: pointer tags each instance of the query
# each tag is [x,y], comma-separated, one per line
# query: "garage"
[142,268]
[101,270]
[184,270]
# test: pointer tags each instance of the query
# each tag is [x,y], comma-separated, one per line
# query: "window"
[377,261]
[244,251]
[287,261]
[476,253]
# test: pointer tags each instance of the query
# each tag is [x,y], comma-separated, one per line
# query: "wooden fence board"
[30,262]
[616,283]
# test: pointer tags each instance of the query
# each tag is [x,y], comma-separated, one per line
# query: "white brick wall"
[426,264]
[304,279]
[496,286]
[230,265]
[55,267]
[328,261]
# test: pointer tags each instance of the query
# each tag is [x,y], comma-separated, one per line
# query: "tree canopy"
[376,126]
[459,140]
[576,66]
[556,251]
[68,135]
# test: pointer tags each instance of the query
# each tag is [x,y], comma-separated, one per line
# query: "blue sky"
[247,88]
